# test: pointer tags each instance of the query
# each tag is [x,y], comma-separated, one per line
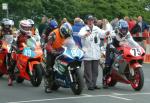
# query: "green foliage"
[59,9]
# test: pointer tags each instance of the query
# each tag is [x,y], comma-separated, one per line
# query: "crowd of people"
[88,33]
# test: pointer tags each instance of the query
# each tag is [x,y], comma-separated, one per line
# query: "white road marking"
[119,97]
[86,95]
[65,98]
[131,94]
[114,95]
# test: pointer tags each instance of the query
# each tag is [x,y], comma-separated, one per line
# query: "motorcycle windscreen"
[34,46]
[8,38]
[135,48]
[71,49]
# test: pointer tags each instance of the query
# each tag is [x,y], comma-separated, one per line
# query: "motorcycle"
[5,45]
[127,66]
[28,63]
[67,68]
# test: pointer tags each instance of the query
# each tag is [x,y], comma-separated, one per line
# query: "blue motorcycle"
[67,68]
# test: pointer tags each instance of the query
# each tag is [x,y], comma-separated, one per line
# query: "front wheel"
[137,81]
[36,78]
[77,85]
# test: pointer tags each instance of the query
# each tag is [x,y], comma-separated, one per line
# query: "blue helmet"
[122,27]
[53,24]
[66,30]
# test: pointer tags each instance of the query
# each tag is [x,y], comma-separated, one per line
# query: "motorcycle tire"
[36,78]
[112,83]
[1,74]
[77,85]
[19,79]
[138,82]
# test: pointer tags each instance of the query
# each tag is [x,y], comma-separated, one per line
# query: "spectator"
[114,23]
[76,28]
[95,21]
[90,36]
[43,25]
[100,24]
[131,23]
[138,30]
[107,26]
[64,20]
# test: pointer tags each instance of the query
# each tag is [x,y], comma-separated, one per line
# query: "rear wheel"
[77,85]
[110,81]
[36,78]
[1,74]
[137,81]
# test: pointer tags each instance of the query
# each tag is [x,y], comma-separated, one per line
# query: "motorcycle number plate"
[135,52]
[28,52]
[74,52]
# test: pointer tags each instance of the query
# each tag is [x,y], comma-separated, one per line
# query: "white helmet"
[31,21]
[7,23]
[25,27]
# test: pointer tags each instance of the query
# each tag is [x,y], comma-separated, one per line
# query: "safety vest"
[58,42]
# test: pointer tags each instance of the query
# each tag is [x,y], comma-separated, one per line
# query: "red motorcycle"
[5,45]
[3,53]
[28,63]
[127,66]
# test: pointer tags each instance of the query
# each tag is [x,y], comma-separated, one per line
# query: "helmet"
[53,24]
[7,23]
[122,28]
[31,22]
[25,27]
[89,17]
[66,30]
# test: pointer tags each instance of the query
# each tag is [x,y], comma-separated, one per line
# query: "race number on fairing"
[28,52]
[74,52]
[135,52]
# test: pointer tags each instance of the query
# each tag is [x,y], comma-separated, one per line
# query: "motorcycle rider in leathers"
[122,33]
[54,45]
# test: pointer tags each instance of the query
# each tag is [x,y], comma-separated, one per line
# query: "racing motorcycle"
[127,66]
[5,46]
[67,68]
[28,62]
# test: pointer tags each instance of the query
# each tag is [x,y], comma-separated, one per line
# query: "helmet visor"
[25,28]
[124,31]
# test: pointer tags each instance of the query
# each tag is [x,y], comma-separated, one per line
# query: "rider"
[51,26]
[6,32]
[55,41]
[24,33]
[122,33]
[6,27]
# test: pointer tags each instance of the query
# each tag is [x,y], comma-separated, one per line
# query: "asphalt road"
[121,93]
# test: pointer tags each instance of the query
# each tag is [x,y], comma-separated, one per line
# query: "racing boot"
[105,76]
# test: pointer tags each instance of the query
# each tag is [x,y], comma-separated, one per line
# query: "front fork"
[70,74]
[31,64]
[134,66]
